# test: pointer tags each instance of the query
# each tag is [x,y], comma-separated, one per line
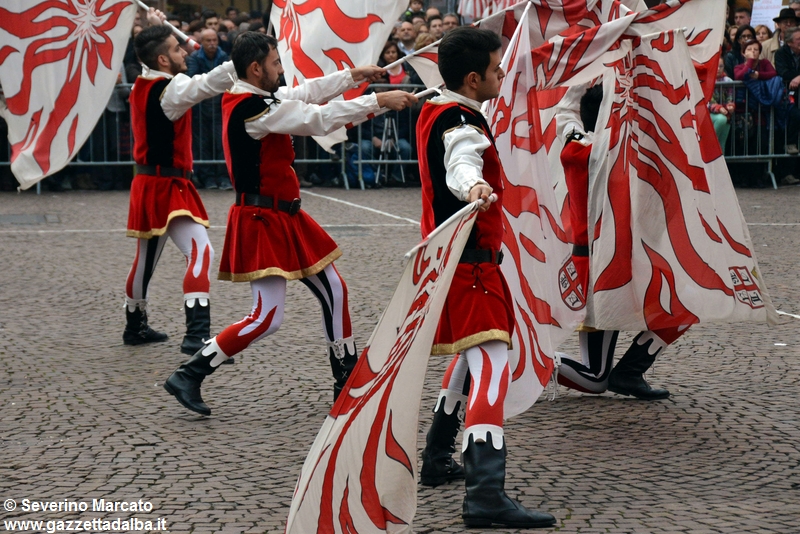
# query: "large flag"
[319,37]
[360,475]
[548,301]
[669,243]
[59,61]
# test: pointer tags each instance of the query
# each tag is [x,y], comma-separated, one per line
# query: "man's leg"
[627,378]
[486,503]
[590,375]
[331,292]
[192,240]
[137,331]
[269,297]
[438,466]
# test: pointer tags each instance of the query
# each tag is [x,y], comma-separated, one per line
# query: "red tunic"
[262,242]
[156,200]
[479,306]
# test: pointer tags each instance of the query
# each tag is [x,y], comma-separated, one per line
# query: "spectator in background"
[732,29]
[423,40]
[415,7]
[785,20]
[721,107]
[763,34]
[436,27]
[231,13]
[741,17]
[796,7]
[210,19]
[407,37]
[787,64]
[420,27]
[753,68]
[241,18]
[735,56]
[450,21]
[174,19]
[207,116]
[432,12]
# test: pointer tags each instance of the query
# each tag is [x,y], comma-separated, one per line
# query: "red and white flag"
[319,37]
[669,243]
[426,64]
[59,62]
[360,475]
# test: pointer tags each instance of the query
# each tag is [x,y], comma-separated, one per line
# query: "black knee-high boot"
[627,378]
[486,503]
[198,326]
[185,382]
[438,465]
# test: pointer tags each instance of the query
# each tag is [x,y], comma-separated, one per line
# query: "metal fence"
[383,150]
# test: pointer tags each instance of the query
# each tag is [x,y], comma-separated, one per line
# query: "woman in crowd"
[735,56]
[763,33]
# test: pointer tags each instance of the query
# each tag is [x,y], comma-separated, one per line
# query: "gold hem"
[471,341]
[277,271]
[161,231]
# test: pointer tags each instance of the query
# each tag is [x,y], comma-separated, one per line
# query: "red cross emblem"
[745,288]
[571,289]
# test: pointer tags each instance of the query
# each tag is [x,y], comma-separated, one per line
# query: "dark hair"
[254,27]
[231,8]
[151,43]
[434,17]
[590,107]
[208,14]
[743,10]
[736,46]
[241,17]
[389,44]
[463,50]
[749,42]
[249,47]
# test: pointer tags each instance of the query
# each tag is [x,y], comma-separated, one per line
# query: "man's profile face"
[489,86]
[176,56]
[271,70]
[794,43]
[741,18]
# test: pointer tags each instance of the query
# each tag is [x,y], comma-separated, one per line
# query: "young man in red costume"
[575,124]
[269,239]
[164,203]
[459,164]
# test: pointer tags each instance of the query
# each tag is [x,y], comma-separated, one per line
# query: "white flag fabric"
[669,243]
[426,64]
[319,37]
[59,62]
[548,304]
[360,475]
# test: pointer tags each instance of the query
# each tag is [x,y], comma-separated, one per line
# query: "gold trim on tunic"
[277,271]
[471,341]
[156,232]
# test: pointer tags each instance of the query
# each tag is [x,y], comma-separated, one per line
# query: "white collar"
[243,87]
[152,74]
[452,96]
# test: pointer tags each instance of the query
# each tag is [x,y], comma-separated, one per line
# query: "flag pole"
[175,30]
[404,58]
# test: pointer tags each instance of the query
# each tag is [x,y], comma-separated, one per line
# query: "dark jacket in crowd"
[787,65]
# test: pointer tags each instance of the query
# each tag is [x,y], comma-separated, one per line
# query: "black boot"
[343,357]
[438,465]
[627,378]
[185,382]
[486,503]
[198,326]
[137,331]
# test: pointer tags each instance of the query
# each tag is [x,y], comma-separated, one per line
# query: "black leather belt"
[472,255]
[250,199]
[159,170]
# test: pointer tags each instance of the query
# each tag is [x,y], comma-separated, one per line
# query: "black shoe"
[184,383]
[137,331]
[627,377]
[438,465]
[486,503]
[342,364]
[635,386]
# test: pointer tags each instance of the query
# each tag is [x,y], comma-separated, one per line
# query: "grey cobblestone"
[84,417]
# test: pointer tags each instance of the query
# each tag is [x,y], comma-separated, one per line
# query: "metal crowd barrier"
[756,133]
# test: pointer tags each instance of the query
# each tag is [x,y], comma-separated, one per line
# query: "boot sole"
[627,393]
[173,392]
[488,523]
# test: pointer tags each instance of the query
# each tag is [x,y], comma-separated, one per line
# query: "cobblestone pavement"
[84,417]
